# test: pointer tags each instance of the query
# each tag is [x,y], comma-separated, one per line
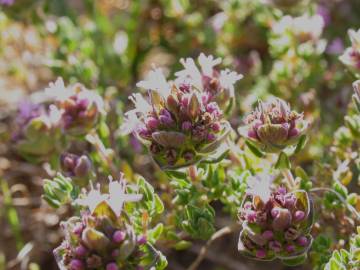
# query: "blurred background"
[109,45]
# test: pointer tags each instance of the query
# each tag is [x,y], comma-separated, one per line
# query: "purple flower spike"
[119,236]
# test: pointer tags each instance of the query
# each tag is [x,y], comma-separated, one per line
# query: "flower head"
[273,126]
[219,84]
[278,227]
[180,123]
[113,200]
[37,127]
[7,2]
[80,108]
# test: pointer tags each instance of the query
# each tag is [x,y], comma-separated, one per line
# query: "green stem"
[12,215]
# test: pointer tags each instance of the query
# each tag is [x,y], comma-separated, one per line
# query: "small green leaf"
[283,162]
[181,245]
[254,149]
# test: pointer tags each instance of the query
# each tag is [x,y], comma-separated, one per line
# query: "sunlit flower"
[156,81]
[180,123]
[115,198]
[273,126]
[219,84]
[80,108]
[260,185]
[277,227]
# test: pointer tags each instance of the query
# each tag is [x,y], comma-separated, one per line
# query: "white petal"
[156,81]
[191,72]
[207,64]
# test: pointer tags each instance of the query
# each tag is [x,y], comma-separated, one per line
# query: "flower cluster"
[351,55]
[276,224]
[80,108]
[102,238]
[41,129]
[181,122]
[273,126]
[38,132]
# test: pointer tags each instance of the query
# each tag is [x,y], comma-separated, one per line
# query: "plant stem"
[289,178]
[348,206]
[220,233]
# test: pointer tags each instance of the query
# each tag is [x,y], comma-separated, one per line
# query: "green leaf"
[254,149]
[283,162]
[301,144]
[295,260]
[181,245]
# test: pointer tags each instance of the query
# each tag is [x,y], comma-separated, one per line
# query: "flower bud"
[119,236]
[74,165]
[76,265]
[112,266]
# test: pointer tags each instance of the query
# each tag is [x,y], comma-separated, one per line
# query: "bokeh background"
[109,45]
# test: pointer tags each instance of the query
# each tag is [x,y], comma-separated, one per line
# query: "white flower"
[207,64]
[131,123]
[355,38]
[156,81]
[260,185]
[115,199]
[228,79]
[141,104]
[57,90]
[305,24]
[191,72]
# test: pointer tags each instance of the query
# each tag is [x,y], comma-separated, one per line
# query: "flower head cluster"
[93,242]
[275,224]
[37,132]
[100,238]
[180,122]
[219,84]
[80,108]
[273,126]
[351,55]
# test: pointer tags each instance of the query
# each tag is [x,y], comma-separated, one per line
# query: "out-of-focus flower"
[273,126]
[113,200]
[277,227]
[219,84]
[7,2]
[38,132]
[335,47]
[180,122]
[351,55]
[80,108]
[303,29]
